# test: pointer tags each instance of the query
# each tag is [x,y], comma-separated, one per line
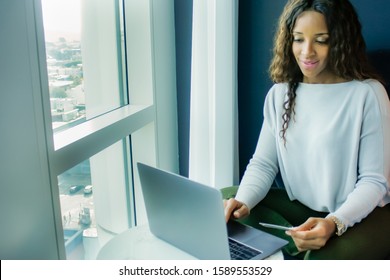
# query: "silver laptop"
[190,216]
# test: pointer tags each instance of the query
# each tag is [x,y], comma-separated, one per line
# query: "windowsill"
[77,140]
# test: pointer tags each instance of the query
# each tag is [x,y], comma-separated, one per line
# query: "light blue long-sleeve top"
[336,157]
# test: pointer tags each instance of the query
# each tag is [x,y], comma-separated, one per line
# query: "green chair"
[229,192]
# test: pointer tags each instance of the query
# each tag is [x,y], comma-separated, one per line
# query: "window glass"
[95,204]
[84,49]
[85,58]
[77,207]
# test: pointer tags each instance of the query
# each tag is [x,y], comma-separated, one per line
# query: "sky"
[61,18]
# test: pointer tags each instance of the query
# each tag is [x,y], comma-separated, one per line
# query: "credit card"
[275,226]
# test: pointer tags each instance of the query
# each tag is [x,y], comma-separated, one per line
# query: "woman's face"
[311,47]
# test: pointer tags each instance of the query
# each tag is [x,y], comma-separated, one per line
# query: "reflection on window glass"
[84,49]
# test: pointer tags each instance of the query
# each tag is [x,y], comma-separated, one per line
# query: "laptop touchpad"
[241,232]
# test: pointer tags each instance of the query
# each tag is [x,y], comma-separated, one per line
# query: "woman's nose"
[307,49]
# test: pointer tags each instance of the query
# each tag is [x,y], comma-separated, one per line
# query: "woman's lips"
[309,64]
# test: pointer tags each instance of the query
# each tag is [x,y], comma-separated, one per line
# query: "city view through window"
[67,100]
[88,85]
[62,25]
[65,74]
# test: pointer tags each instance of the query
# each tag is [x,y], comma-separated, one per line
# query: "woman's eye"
[323,41]
[298,40]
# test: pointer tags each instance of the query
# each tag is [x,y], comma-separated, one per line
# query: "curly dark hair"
[347,49]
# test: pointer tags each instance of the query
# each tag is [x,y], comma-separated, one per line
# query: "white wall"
[26,210]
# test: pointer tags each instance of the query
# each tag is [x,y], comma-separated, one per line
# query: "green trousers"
[367,240]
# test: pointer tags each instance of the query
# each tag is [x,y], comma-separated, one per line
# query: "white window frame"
[152,86]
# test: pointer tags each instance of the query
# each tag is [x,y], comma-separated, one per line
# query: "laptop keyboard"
[239,251]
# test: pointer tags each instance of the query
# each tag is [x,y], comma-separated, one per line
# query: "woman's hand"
[235,208]
[313,234]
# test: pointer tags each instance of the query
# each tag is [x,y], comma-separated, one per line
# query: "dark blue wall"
[257,23]
[375,19]
[183,30]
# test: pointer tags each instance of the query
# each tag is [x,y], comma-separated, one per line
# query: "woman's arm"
[263,166]
[373,159]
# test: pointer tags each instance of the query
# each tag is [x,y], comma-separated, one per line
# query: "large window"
[106,66]
[85,54]
[85,59]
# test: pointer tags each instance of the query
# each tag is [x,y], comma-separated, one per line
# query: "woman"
[326,131]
